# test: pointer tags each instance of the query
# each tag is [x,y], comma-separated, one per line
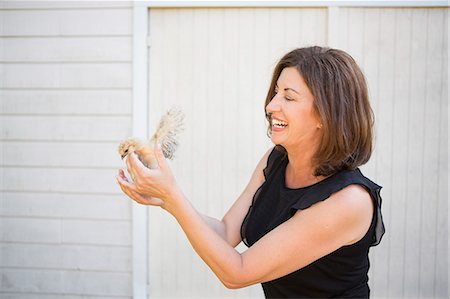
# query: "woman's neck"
[300,169]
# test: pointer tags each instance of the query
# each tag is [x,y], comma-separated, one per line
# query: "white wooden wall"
[66,101]
[65,80]
[216,65]
[404,53]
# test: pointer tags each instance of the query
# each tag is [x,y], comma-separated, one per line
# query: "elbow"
[236,277]
[233,285]
[234,282]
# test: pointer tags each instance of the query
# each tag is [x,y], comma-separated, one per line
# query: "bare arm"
[229,228]
[216,225]
[308,235]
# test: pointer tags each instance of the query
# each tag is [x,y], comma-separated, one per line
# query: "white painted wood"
[70,154]
[66,22]
[68,49]
[442,223]
[66,82]
[432,157]
[415,155]
[55,231]
[65,128]
[28,295]
[71,180]
[403,62]
[66,282]
[139,129]
[333,27]
[31,230]
[54,205]
[292,3]
[384,122]
[106,258]
[215,65]
[218,79]
[36,4]
[66,102]
[402,56]
[96,232]
[73,76]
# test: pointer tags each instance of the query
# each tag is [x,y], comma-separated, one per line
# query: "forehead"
[291,78]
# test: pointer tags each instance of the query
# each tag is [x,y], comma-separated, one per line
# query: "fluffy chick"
[166,133]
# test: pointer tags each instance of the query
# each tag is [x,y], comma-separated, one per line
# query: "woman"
[308,215]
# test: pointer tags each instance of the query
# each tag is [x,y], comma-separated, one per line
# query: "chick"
[166,133]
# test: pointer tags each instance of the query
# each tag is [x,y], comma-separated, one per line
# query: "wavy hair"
[341,100]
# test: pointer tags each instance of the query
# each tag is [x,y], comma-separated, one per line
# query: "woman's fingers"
[130,168]
[130,190]
[122,175]
[162,163]
[123,181]
[134,166]
[149,183]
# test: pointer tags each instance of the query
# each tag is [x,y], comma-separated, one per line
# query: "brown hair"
[341,101]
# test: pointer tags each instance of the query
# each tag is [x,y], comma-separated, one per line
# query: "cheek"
[314,116]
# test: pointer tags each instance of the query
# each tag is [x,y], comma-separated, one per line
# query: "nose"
[274,105]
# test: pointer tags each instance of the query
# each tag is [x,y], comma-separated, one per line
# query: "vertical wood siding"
[216,65]
[65,94]
[403,53]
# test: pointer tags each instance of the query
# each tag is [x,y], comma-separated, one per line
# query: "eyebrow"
[288,88]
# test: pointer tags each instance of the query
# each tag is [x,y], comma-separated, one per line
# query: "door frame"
[140,118]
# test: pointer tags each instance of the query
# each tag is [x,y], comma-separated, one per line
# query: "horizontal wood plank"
[68,49]
[66,102]
[92,181]
[65,206]
[60,75]
[65,128]
[65,257]
[67,231]
[66,282]
[30,230]
[31,295]
[69,22]
[60,154]
[96,232]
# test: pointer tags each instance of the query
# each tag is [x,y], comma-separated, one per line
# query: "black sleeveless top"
[342,273]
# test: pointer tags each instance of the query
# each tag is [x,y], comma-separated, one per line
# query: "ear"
[319,126]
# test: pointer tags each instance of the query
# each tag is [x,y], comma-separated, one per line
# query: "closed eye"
[289,99]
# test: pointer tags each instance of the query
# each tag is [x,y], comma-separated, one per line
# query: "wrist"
[174,200]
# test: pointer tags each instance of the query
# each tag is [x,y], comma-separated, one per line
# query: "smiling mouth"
[279,124]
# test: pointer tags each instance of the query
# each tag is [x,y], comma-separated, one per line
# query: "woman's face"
[294,121]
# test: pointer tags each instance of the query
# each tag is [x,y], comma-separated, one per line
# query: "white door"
[216,64]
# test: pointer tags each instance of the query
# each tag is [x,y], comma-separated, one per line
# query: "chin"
[276,141]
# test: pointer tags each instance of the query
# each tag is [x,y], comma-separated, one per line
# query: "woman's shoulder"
[344,182]
[353,196]
[357,177]
[360,198]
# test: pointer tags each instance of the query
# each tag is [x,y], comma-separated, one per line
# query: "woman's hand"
[149,186]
